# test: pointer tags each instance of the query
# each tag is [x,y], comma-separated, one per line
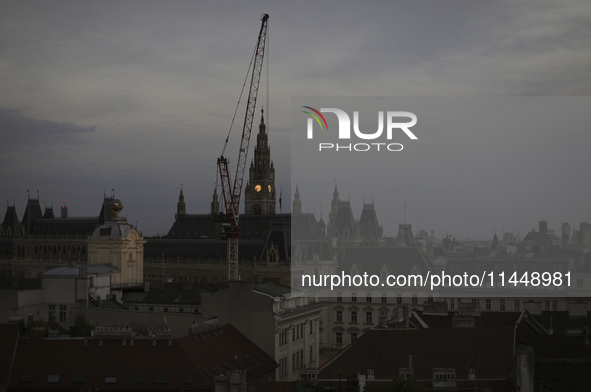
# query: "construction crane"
[231,194]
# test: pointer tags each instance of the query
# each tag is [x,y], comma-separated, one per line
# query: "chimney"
[361,380]
[524,371]
[543,227]
[462,321]
[382,319]
[436,307]
[534,308]
[472,309]
[406,312]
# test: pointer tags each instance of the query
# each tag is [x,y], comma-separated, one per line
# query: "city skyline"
[139,96]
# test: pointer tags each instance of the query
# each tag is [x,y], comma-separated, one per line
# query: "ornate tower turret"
[215,203]
[180,206]
[260,195]
[334,207]
[297,203]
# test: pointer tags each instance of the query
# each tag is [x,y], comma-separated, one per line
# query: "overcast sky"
[139,95]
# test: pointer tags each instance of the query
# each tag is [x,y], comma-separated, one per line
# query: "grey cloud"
[19,130]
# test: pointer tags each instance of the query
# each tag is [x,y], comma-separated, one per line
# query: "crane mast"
[231,194]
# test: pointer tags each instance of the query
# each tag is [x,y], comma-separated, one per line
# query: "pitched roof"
[11,224]
[344,219]
[563,359]
[188,363]
[112,364]
[489,351]
[225,349]
[207,225]
[281,238]
[32,213]
[567,340]
[198,249]
[368,221]
[305,226]
[419,319]
[171,293]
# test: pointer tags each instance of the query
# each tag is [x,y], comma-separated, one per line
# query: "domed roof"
[114,229]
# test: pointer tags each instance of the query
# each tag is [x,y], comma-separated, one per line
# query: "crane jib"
[231,194]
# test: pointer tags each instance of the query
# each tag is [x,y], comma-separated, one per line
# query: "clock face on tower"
[269,188]
[257,188]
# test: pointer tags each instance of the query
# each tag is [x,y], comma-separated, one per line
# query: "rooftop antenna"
[104,193]
[405,213]
[112,193]
[37,194]
[28,196]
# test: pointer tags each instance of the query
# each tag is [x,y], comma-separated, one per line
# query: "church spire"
[297,203]
[180,206]
[215,202]
[262,126]
[259,194]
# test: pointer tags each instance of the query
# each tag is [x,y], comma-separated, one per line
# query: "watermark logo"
[392,123]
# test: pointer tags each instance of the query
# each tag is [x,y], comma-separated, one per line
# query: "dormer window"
[406,373]
[444,377]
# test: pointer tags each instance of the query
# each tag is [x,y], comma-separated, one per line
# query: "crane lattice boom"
[231,195]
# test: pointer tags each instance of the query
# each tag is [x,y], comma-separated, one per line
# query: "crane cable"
[239,99]
[217,174]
